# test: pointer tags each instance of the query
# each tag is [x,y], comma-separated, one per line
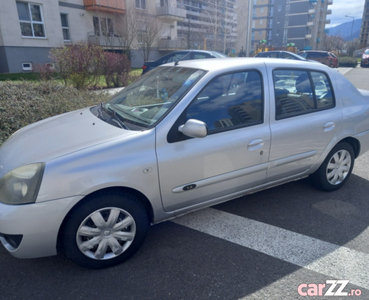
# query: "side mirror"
[194,128]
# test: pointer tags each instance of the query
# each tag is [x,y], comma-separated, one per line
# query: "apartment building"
[30,29]
[282,22]
[364,32]
[209,24]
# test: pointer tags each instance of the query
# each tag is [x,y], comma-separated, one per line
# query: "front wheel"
[105,230]
[336,168]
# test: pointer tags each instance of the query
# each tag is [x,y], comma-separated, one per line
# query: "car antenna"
[177,61]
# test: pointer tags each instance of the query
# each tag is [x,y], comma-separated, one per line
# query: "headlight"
[21,185]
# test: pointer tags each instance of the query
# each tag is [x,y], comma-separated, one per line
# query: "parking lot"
[282,243]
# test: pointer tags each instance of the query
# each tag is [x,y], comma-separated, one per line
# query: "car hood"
[48,139]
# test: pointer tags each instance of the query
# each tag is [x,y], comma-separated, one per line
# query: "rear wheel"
[336,168]
[105,230]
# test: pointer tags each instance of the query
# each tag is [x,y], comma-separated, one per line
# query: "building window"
[31,19]
[261,22]
[141,4]
[27,66]
[261,9]
[65,26]
[279,8]
[103,26]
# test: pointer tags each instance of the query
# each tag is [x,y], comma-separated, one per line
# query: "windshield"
[366,51]
[145,101]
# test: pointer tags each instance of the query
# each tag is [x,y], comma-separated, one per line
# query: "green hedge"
[32,76]
[27,102]
[348,62]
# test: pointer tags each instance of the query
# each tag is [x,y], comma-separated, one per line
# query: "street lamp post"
[352,24]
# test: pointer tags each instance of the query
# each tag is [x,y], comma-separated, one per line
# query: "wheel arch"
[355,144]
[141,198]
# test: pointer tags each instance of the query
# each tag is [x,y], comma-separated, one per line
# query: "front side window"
[65,26]
[299,92]
[229,101]
[31,19]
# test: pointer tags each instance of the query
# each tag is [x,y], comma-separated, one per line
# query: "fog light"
[11,241]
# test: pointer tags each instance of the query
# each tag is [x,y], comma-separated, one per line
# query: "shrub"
[116,69]
[26,102]
[81,64]
[348,62]
[44,71]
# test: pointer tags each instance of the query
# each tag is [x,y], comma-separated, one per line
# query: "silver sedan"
[187,135]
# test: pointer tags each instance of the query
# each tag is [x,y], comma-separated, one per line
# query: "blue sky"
[340,8]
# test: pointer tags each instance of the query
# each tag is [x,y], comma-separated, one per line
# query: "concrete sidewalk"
[344,71]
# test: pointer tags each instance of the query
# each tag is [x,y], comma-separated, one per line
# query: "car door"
[231,158]
[304,120]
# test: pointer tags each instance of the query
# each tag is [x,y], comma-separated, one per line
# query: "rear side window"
[200,55]
[299,92]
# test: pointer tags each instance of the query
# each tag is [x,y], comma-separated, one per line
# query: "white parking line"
[307,252]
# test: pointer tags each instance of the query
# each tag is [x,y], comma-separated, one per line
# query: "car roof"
[318,51]
[199,51]
[238,63]
[276,51]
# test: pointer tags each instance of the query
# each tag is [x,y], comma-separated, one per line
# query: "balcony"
[167,44]
[311,11]
[327,21]
[110,6]
[308,36]
[170,13]
[113,41]
[310,24]
[329,2]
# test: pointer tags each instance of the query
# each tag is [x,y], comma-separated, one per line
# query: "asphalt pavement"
[288,242]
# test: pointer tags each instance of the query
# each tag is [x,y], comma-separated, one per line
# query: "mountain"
[344,30]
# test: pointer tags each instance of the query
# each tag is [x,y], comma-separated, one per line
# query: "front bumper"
[35,227]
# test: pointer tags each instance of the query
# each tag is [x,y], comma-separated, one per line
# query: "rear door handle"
[329,126]
[255,144]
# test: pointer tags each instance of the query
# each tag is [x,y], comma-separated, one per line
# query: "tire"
[105,230]
[336,168]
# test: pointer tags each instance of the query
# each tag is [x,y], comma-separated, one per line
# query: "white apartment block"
[30,29]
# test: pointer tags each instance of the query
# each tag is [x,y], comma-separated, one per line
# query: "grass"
[31,76]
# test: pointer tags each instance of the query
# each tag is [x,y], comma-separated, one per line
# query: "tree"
[80,64]
[126,30]
[192,36]
[352,46]
[331,43]
[148,32]
[221,16]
